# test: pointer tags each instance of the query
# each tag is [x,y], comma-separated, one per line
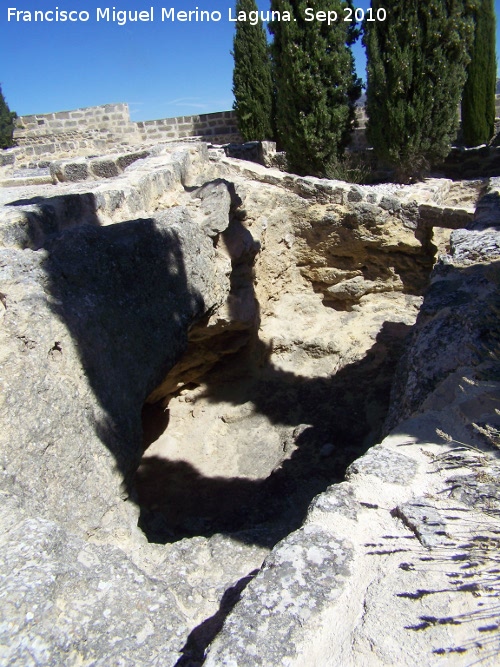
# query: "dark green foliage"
[416,71]
[6,123]
[478,99]
[252,82]
[316,85]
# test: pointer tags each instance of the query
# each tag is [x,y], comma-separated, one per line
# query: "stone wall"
[87,130]
[112,118]
[90,130]
[77,132]
[222,125]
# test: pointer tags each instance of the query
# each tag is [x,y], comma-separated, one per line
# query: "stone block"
[104,168]
[76,171]
[125,161]
[7,158]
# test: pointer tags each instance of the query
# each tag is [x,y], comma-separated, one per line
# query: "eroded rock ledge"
[263,315]
[398,564]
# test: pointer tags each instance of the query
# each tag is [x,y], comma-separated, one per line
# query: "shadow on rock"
[123,293]
[48,216]
[193,652]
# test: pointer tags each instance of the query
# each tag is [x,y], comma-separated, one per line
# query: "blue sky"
[160,69]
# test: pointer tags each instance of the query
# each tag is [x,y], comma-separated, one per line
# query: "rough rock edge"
[398,485]
[342,550]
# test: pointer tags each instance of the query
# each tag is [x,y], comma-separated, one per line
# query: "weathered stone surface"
[33,214]
[217,198]
[386,464]
[312,567]
[458,323]
[107,287]
[66,602]
[94,168]
[398,605]
[94,297]
[7,158]
[424,520]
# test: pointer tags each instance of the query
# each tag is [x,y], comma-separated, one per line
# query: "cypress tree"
[416,71]
[478,99]
[6,123]
[252,82]
[316,85]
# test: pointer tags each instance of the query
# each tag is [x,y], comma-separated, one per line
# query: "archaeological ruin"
[248,418]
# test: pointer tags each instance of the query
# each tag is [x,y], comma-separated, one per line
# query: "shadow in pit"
[125,295]
[336,419]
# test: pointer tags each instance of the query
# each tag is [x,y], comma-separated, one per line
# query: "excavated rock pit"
[322,297]
[199,347]
[251,442]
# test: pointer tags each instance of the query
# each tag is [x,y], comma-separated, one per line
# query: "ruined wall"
[85,131]
[114,118]
[214,126]
[81,131]
[89,130]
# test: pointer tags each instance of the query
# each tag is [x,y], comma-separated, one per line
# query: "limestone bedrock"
[258,317]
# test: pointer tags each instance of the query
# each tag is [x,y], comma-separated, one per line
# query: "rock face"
[458,322]
[406,541]
[97,318]
[92,321]
[61,611]
[243,326]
